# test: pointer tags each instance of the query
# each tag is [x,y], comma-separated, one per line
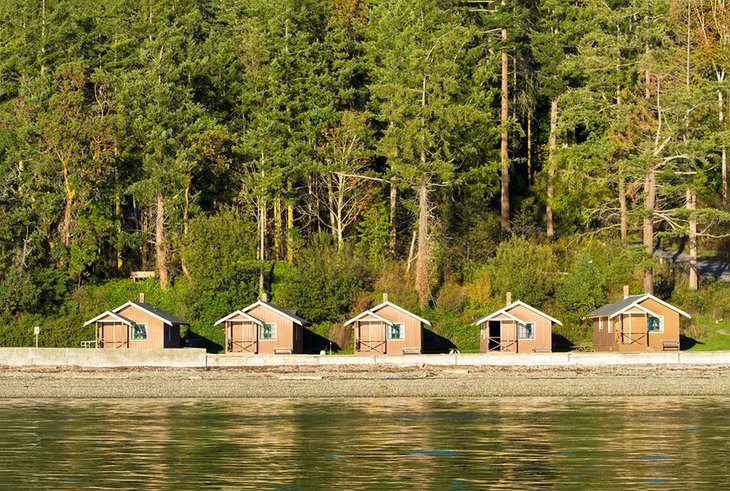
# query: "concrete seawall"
[527,359]
[197,358]
[100,358]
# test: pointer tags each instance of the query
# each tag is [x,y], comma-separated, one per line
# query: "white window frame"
[272,326]
[401,332]
[661,323]
[132,328]
[600,324]
[519,330]
[610,328]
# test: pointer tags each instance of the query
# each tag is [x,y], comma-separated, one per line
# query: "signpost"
[36,331]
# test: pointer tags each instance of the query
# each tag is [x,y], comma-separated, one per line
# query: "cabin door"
[243,338]
[372,338]
[494,341]
[114,335]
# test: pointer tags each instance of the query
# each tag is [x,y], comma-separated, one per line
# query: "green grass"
[712,336]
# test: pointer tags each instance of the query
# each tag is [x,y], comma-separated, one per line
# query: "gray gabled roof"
[291,314]
[612,308]
[151,309]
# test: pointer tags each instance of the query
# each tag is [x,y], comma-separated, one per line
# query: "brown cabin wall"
[543,330]
[508,332]
[155,328]
[284,330]
[413,337]
[671,324]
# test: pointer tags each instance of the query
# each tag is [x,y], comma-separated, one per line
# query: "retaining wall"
[101,358]
[491,359]
[197,358]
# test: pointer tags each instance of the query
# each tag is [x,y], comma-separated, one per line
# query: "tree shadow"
[435,343]
[195,340]
[561,344]
[313,343]
[685,342]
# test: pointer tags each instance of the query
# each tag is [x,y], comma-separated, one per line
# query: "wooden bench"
[141,275]
[670,345]
[541,349]
[411,351]
[282,351]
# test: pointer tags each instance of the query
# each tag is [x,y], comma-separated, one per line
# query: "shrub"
[525,268]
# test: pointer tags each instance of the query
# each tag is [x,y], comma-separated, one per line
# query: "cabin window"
[527,330]
[600,323]
[139,332]
[654,324]
[610,328]
[267,332]
[396,331]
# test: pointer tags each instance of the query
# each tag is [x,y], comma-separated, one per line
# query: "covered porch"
[370,333]
[499,334]
[111,330]
[242,332]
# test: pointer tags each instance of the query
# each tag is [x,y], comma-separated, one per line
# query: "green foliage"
[324,282]
[526,268]
[373,230]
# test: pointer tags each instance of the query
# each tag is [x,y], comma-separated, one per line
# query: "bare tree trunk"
[622,210]
[331,208]
[649,205]
[262,241]
[529,147]
[410,252]
[161,240]
[289,226]
[504,199]
[721,117]
[278,229]
[691,206]
[186,213]
[65,226]
[423,257]
[392,231]
[553,145]
[118,219]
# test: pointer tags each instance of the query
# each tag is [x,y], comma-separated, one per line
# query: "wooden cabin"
[263,328]
[388,329]
[516,328]
[636,323]
[137,325]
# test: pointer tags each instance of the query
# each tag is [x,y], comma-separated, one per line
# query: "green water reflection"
[632,443]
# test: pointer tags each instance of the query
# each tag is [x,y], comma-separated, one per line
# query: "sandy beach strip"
[354,381]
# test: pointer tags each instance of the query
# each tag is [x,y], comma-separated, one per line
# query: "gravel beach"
[355,381]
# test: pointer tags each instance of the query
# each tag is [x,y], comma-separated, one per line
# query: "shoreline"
[354,381]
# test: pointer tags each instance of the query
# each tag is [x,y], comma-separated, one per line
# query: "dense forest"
[325,151]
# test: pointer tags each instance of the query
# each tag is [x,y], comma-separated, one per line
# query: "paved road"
[705,265]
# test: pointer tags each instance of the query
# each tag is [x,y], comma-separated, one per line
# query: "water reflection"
[637,443]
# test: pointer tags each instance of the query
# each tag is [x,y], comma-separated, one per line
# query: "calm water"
[632,443]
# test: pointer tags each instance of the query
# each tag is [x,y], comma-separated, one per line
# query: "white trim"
[400,309]
[241,313]
[661,323]
[118,317]
[130,303]
[525,324]
[646,296]
[401,331]
[274,331]
[363,314]
[146,331]
[513,305]
[277,311]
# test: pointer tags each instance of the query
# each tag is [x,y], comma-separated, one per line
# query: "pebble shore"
[355,381]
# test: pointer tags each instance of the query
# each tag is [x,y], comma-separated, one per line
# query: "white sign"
[36,330]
